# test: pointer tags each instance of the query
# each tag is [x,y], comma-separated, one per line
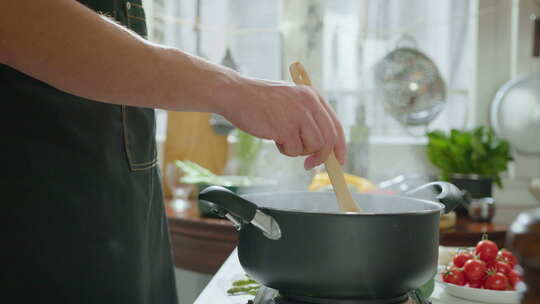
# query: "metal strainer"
[410,85]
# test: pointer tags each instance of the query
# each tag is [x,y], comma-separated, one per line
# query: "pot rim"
[440,206]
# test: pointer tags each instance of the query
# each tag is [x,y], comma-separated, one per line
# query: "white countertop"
[216,290]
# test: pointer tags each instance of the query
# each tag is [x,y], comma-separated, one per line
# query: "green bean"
[244,282]
[240,290]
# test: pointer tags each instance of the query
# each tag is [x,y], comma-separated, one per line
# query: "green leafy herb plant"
[247,150]
[478,151]
[195,174]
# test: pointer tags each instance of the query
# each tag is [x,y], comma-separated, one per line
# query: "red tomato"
[502,267]
[513,278]
[496,281]
[476,284]
[454,276]
[474,269]
[462,257]
[508,257]
[492,265]
[487,250]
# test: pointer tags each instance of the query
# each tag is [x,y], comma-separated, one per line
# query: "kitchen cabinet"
[467,233]
[190,137]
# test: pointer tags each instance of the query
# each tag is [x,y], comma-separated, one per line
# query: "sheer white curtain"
[359,33]
[339,41]
[350,37]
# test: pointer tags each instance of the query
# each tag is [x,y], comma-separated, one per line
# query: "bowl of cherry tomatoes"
[483,273]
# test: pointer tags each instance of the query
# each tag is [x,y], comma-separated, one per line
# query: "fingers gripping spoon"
[344,198]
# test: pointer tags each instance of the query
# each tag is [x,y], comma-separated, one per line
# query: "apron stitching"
[127,14]
[138,167]
[135,17]
[151,197]
[148,283]
[125,134]
[144,168]
[134,165]
[145,163]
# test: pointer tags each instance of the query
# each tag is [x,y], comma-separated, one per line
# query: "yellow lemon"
[321,181]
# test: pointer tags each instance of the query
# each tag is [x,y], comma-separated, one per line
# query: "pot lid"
[515,113]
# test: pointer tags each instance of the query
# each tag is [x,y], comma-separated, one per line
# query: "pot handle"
[450,195]
[239,210]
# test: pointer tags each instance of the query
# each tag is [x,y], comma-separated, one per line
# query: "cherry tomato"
[474,269]
[462,257]
[492,265]
[502,267]
[496,281]
[454,276]
[476,284]
[487,250]
[508,257]
[513,278]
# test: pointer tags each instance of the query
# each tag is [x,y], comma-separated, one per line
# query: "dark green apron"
[81,215]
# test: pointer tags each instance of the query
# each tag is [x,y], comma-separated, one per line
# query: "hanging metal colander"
[410,85]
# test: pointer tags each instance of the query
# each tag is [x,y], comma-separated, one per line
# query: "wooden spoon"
[344,198]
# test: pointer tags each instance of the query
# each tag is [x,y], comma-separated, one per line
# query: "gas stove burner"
[267,295]
[283,299]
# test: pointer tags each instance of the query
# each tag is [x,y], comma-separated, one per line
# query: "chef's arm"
[67,45]
[70,47]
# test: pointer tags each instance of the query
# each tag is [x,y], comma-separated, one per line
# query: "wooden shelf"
[467,233]
[199,244]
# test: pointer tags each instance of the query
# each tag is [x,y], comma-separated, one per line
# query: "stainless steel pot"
[301,244]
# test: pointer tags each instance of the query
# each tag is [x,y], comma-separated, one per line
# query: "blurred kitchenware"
[475,188]
[358,145]
[180,191]
[405,182]
[220,124]
[448,220]
[482,209]
[515,113]
[520,97]
[409,84]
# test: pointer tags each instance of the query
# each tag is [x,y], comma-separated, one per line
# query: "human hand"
[296,118]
